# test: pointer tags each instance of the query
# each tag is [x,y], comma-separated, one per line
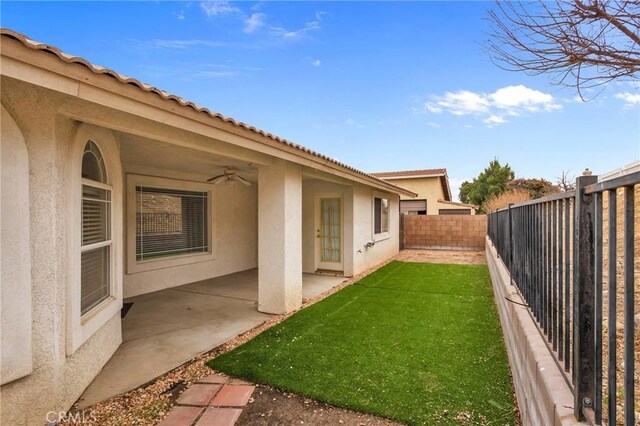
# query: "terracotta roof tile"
[97,69]
[406,173]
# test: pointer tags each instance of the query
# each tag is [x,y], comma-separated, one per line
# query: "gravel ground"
[460,257]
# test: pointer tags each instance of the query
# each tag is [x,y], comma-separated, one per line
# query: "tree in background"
[537,188]
[492,180]
[585,43]
[566,182]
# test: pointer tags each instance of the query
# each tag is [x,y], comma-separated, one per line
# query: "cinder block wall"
[453,232]
[544,398]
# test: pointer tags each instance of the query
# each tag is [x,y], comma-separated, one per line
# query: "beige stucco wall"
[234,228]
[66,355]
[15,254]
[428,188]
[58,377]
[454,207]
[384,248]
[311,190]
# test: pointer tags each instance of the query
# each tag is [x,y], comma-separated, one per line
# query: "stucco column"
[279,237]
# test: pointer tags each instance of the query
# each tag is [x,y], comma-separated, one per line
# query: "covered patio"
[163,329]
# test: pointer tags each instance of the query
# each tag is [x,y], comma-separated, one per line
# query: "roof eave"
[220,120]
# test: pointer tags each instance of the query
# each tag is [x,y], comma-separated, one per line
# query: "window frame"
[386,234]
[135,266]
[80,328]
[106,243]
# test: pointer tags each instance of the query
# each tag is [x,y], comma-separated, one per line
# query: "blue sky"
[377,85]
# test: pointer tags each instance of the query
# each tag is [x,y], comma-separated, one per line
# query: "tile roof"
[97,69]
[408,173]
[404,174]
[455,203]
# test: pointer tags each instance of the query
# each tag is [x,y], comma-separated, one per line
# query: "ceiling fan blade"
[215,177]
[242,180]
[218,180]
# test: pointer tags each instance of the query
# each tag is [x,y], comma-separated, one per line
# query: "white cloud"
[494,120]
[254,22]
[185,44]
[351,122]
[463,102]
[432,108]
[433,124]
[630,99]
[492,107]
[180,15]
[217,7]
[296,34]
[316,63]
[215,74]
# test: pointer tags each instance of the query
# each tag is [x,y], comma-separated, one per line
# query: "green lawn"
[417,343]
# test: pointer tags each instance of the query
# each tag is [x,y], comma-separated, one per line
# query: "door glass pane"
[330,230]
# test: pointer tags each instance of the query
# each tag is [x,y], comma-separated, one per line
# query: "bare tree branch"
[585,43]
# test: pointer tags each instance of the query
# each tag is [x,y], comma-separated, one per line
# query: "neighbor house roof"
[455,203]
[97,69]
[413,174]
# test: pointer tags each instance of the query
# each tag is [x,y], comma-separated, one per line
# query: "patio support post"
[584,298]
[279,237]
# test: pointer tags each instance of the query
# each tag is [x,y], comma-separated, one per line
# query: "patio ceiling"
[140,151]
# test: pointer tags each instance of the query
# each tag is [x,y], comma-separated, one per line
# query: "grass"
[417,343]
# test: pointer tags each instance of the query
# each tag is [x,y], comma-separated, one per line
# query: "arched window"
[96,230]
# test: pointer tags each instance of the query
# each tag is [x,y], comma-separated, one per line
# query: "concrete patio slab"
[315,284]
[164,329]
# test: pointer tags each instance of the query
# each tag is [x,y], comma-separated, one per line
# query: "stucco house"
[432,189]
[111,189]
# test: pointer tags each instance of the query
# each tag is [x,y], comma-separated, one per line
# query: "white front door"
[329,233]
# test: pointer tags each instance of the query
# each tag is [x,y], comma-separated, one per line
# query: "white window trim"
[383,235]
[135,266]
[100,244]
[81,327]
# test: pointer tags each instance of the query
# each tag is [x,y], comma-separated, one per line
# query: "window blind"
[170,222]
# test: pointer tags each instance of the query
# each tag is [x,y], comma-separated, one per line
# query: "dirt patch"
[270,406]
[459,257]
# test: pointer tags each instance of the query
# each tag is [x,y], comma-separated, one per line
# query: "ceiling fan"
[229,176]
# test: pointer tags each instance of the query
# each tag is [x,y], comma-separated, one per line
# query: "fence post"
[583,298]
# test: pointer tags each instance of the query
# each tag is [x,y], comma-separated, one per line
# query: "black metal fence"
[554,250]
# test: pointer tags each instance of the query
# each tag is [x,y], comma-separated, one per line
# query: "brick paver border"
[215,400]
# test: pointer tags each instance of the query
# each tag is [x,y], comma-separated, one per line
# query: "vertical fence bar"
[539,281]
[543,266]
[511,268]
[528,254]
[554,281]
[559,231]
[611,321]
[583,290]
[597,309]
[567,285]
[549,275]
[629,323]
